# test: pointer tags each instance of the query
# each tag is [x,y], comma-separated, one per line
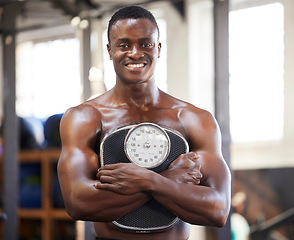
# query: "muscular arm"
[77,167]
[205,204]
[209,202]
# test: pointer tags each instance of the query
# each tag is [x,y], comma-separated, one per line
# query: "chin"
[136,80]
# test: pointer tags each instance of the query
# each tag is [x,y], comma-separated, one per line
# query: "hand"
[122,178]
[185,169]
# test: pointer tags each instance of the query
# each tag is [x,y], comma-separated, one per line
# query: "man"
[195,187]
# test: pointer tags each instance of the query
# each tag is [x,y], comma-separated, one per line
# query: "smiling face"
[134,49]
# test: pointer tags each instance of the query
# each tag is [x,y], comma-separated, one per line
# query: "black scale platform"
[152,215]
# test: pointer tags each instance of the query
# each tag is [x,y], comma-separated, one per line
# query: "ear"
[159,49]
[109,51]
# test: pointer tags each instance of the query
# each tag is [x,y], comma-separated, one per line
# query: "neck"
[138,95]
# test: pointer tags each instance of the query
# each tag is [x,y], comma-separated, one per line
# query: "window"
[256,73]
[48,77]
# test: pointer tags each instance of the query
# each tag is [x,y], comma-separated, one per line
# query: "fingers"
[183,159]
[196,174]
[102,172]
[197,165]
[104,180]
[109,169]
[187,164]
[107,179]
[111,166]
[196,180]
[99,185]
[193,156]
[104,186]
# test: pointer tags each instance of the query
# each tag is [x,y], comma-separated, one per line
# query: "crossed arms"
[196,186]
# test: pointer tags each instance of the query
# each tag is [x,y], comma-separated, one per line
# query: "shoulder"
[190,114]
[197,116]
[183,106]
[83,113]
[88,111]
[80,124]
[200,127]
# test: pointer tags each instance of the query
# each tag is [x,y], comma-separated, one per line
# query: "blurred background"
[233,58]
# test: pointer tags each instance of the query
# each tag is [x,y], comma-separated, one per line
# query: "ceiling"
[35,14]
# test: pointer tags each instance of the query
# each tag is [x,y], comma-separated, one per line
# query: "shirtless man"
[195,187]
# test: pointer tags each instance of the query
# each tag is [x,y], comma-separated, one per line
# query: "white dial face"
[147,145]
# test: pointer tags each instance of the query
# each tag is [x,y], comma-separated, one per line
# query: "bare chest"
[116,118]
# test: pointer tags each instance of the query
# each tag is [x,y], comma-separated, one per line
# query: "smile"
[135,65]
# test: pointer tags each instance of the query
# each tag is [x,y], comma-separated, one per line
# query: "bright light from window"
[256,73]
[48,77]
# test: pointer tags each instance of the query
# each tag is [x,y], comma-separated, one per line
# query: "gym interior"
[233,58]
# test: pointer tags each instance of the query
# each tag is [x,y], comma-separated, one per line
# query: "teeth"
[138,65]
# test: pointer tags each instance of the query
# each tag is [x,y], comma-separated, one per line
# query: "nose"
[135,53]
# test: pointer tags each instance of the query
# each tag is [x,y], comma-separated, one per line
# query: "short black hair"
[131,12]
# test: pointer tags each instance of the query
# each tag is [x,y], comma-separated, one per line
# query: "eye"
[147,45]
[123,45]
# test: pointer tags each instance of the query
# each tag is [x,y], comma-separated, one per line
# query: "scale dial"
[147,145]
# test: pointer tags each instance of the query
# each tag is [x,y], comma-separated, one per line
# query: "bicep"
[213,165]
[205,139]
[75,164]
[79,134]
[215,171]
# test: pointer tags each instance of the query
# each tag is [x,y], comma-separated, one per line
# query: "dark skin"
[196,186]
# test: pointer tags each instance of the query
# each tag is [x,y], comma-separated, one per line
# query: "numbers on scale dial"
[147,145]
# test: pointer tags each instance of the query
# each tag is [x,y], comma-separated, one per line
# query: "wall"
[201,53]
[190,52]
[289,83]
[177,54]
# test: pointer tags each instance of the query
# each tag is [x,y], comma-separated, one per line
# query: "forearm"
[195,204]
[177,189]
[90,204]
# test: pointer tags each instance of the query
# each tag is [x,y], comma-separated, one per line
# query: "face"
[134,49]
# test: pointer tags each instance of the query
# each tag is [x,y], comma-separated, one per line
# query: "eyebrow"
[145,39]
[123,39]
[127,39]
